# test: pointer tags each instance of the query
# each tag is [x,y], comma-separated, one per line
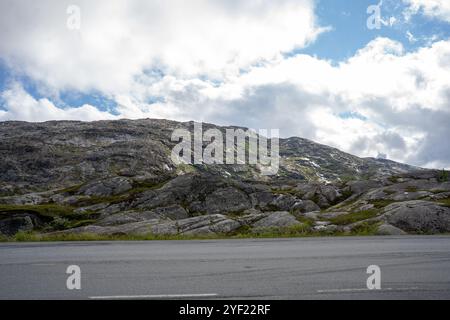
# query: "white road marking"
[157,296]
[365,290]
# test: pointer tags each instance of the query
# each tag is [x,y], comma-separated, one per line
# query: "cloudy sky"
[314,69]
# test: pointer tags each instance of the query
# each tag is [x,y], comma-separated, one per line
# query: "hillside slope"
[116,179]
[61,154]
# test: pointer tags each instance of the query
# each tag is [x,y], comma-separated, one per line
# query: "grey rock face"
[226,200]
[262,199]
[419,216]
[277,219]
[174,212]
[389,230]
[359,187]
[128,217]
[107,187]
[60,154]
[284,202]
[305,206]
[331,193]
[26,199]
[211,224]
[440,196]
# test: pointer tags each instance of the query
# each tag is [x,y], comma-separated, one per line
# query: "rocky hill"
[117,178]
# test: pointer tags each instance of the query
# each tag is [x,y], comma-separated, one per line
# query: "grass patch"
[368,228]
[45,210]
[411,189]
[277,232]
[443,176]
[97,200]
[80,223]
[380,204]
[306,221]
[148,186]
[354,217]
[394,179]
[445,202]
[71,190]
[35,237]
[346,178]
[298,231]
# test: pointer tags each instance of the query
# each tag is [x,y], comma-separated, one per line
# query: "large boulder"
[226,200]
[284,202]
[419,216]
[106,187]
[174,212]
[389,230]
[262,199]
[277,219]
[359,187]
[330,192]
[305,206]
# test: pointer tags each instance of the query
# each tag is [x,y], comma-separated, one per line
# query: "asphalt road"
[313,268]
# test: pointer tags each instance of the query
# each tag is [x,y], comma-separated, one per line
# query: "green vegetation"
[380,204]
[354,217]
[366,228]
[300,230]
[411,189]
[57,217]
[93,200]
[394,179]
[443,176]
[144,186]
[445,202]
[306,221]
[127,196]
[44,210]
[71,190]
[59,223]
[347,178]
[389,192]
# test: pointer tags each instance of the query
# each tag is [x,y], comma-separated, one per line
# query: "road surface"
[313,268]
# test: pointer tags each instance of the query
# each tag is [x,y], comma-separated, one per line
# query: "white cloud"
[22,106]
[120,41]
[432,8]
